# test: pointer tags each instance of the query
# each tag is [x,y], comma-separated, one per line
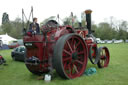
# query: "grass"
[16,73]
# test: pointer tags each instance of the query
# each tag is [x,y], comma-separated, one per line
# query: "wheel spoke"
[67,58]
[71,68]
[74,43]
[65,65]
[72,40]
[79,62]
[102,53]
[102,62]
[81,52]
[77,44]
[105,54]
[67,52]
[75,68]
[105,61]
[69,46]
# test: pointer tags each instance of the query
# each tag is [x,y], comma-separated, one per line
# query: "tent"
[6,39]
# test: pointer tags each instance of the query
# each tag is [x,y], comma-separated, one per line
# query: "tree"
[123,25]
[17,28]
[6,27]
[71,20]
[5,18]
[83,19]
[1,31]
[13,28]
[122,34]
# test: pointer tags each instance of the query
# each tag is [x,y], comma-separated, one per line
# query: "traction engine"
[64,49]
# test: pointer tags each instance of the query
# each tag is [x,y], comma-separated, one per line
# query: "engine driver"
[34,27]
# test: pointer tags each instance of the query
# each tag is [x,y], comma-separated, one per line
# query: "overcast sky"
[102,9]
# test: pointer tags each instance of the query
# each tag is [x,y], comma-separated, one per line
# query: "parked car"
[126,41]
[14,44]
[20,42]
[105,41]
[102,41]
[109,41]
[18,54]
[118,41]
[98,40]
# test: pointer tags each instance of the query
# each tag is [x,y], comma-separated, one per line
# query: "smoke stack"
[88,20]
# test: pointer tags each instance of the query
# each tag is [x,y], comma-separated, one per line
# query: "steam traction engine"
[64,49]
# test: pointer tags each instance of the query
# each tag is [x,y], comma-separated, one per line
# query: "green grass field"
[16,73]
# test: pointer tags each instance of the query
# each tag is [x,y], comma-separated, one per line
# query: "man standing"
[35,24]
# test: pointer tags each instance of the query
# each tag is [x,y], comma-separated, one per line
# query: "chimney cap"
[89,11]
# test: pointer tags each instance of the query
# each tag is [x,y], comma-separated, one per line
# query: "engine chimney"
[88,20]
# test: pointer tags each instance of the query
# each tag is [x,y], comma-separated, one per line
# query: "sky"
[102,9]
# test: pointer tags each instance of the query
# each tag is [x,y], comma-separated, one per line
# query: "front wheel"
[104,57]
[93,54]
[70,56]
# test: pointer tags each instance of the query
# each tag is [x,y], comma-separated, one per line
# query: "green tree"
[13,28]
[17,28]
[83,19]
[5,18]
[122,34]
[71,20]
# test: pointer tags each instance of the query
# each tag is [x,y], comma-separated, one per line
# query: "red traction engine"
[64,49]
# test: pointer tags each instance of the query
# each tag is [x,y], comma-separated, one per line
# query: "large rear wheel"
[70,56]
